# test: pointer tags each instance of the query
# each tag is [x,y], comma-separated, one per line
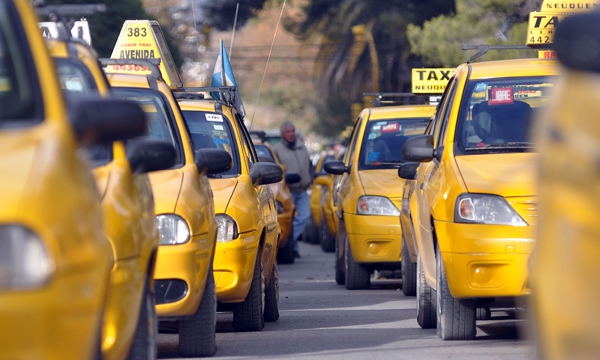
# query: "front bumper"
[373,238]
[485,260]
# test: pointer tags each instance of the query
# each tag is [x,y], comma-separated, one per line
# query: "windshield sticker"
[218,127]
[372,136]
[376,127]
[501,96]
[381,123]
[373,156]
[393,127]
[482,86]
[219,133]
[221,141]
[214,117]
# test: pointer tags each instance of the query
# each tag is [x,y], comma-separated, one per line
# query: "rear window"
[383,140]
[496,114]
[212,131]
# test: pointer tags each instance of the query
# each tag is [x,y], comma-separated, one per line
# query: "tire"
[340,278]
[358,276]
[455,318]
[197,332]
[285,255]
[310,234]
[409,272]
[327,241]
[426,297]
[272,296]
[249,314]
[483,313]
[144,345]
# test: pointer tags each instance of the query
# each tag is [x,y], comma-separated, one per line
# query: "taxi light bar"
[388,99]
[151,64]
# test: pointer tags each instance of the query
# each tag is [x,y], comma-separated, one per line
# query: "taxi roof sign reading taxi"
[144,39]
[542,24]
[430,80]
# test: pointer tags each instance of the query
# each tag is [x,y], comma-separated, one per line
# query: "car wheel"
[285,255]
[483,313]
[327,241]
[197,332]
[455,318]
[144,344]
[426,306]
[272,296]
[249,314]
[409,272]
[358,276]
[340,278]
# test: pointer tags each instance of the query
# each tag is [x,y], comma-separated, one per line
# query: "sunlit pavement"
[320,319]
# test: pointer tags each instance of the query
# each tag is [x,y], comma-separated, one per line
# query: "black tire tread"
[327,241]
[285,255]
[249,314]
[144,345]
[358,276]
[409,272]
[272,296]
[426,297]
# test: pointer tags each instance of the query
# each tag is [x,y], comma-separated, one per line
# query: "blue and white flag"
[223,76]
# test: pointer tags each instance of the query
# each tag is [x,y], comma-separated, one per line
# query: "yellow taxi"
[368,197]
[328,193]
[318,194]
[129,319]
[564,263]
[53,275]
[185,214]
[245,264]
[475,208]
[283,201]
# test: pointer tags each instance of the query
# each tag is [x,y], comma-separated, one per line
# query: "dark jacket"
[295,158]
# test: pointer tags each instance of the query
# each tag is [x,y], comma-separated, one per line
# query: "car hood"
[501,174]
[222,192]
[17,155]
[384,182]
[166,186]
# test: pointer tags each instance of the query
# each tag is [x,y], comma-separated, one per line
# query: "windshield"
[496,114]
[161,122]
[383,139]
[75,79]
[20,97]
[212,131]
[263,150]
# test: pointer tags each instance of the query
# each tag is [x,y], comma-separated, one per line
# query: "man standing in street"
[294,156]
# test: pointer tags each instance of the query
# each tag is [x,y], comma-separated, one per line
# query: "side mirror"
[212,161]
[263,173]
[577,42]
[335,167]
[408,171]
[147,155]
[419,149]
[322,180]
[291,178]
[99,120]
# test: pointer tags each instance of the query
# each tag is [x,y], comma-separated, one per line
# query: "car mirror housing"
[419,149]
[292,178]
[263,173]
[147,155]
[335,167]
[408,171]
[212,161]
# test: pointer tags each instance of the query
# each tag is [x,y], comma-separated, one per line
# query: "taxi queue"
[160,179]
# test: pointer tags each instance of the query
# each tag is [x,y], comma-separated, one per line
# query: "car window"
[383,140]
[20,97]
[161,122]
[442,108]
[262,150]
[496,114]
[212,131]
[353,142]
[75,79]
[445,119]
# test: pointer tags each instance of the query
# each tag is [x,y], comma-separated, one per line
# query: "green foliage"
[221,13]
[334,115]
[105,27]
[494,22]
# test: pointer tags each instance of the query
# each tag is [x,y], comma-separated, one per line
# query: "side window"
[353,142]
[442,110]
[446,112]
[247,146]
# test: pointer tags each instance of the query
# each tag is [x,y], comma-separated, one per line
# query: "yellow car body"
[329,187]
[368,199]
[564,263]
[284,204]
[183,200]
[129,220]
[245,265]
[52,309]
[475,196]
[318,194]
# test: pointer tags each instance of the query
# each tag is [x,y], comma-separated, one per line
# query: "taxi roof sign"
[430,80]
[144,39]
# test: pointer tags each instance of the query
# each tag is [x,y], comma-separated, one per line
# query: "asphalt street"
[320,319]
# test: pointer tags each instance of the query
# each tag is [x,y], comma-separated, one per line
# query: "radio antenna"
[237,8]
[267,64]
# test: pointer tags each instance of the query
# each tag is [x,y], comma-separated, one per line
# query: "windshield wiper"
[504,146]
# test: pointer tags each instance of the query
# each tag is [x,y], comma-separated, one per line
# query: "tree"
[493,22]
[221,13]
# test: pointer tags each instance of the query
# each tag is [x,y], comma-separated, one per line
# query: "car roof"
[513,68]
[399,112]
[197,105]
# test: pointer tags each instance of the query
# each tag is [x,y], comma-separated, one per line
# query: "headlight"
[24,261]
[172,229]
[279,207]
[376,205]
[227,228]
[486,209]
